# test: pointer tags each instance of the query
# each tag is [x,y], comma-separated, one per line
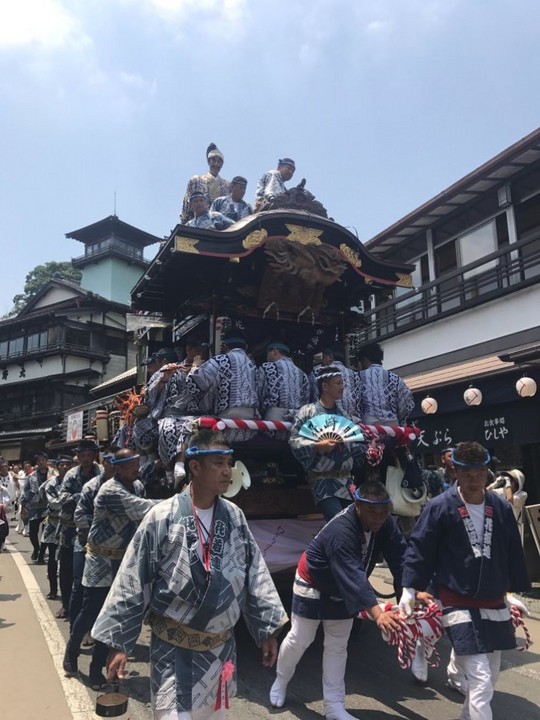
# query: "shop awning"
[455,373]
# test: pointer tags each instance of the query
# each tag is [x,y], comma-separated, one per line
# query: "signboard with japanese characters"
[75,426]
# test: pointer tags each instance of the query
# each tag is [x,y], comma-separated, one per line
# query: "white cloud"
[45,23]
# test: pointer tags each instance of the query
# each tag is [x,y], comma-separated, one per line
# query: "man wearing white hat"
[210,184]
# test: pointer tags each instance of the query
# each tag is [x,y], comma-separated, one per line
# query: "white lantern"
[472,396]
[526,387]
[429,405]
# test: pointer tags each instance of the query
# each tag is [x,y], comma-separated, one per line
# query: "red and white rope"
[401,434]
[425,623]
[516,616]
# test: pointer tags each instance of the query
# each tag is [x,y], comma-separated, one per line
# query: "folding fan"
[331,427]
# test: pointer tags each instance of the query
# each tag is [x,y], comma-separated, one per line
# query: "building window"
[16,346]
[4,348]
[77,337]
[445,258]
[36,341]
[477,244]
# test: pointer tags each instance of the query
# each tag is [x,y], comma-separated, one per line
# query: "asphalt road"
[377,688]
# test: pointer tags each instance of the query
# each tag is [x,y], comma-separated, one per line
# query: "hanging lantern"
[472,396]
[429,405]
[526,387]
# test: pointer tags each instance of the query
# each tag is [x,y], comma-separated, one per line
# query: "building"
[471,321]
[69,338]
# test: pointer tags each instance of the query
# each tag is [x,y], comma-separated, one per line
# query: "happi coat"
[33,495]
[70,492]
[210,220]
[84,512]
[118,510]
[329,474]
[281,384]
[384,397]
[51,490]
[233,209]
[162,571]
[211,186]
[351,388]
[331,582]
[470,577]
[269,186]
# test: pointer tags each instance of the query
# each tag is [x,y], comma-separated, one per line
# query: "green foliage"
[40,276]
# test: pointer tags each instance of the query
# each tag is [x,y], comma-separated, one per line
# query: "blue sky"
[382,103]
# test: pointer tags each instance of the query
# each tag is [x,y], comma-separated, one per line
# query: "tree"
[40,276]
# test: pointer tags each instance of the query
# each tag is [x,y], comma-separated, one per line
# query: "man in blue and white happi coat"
[384,397]
[118,509]
[335,356]
[226,385]
[467,541]
[272,183]
[49,536]
[283,388]
[193,567]
[233,205]
[329,464]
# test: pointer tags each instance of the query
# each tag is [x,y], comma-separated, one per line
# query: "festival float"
[289,272]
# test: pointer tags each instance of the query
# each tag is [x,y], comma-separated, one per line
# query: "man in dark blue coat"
[331,585]
[468,542]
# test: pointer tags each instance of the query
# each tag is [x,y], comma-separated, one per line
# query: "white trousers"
[482,673]
[297,641]
[207,713]
[455,674]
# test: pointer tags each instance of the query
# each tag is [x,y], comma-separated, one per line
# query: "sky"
[382,104]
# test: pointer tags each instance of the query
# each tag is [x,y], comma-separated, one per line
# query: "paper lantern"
[526,387]
[429,405]
[472,396]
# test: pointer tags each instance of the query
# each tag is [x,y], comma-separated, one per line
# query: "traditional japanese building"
[69,338]
[468,331]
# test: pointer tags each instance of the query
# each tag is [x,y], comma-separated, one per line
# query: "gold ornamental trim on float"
[254,239]
[185,245]
[304,235]
[351,255]
[404,280]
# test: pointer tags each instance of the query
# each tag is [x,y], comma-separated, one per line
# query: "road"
[377,688]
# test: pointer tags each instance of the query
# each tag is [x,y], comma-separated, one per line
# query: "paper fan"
[331,427]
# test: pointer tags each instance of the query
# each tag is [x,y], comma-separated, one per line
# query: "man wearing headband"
[233,205]
[71,551]
[205,218]
[119,506]
[34,503]
[328,464]
[331,585]
[210,184]
[335,355]
[283,388]
[192,568]
[273,182]
[467,541]
[50,534]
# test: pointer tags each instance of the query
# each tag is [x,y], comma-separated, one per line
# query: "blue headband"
[117,461]
[278,346]
[471,465]
[194,451]
[361,498]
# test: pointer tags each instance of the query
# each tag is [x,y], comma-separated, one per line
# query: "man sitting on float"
[233,205]
[329,463]
[205,218]
[283,388]
[273,182]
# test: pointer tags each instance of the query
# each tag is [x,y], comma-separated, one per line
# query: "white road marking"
[79,701]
